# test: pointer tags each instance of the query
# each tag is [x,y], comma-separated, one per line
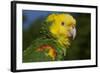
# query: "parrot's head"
[62,27]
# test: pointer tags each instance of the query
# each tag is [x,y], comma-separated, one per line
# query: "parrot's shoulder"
[41,48]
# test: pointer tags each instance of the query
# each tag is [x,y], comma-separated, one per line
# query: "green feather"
[31,55]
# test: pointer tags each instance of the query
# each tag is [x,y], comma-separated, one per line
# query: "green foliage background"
[80,47]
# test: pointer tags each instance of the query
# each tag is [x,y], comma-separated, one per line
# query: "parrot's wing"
[35,56]
[42,50]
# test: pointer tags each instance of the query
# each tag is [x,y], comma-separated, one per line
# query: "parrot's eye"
[62,23]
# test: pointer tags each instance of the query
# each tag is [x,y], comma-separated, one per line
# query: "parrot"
[57,30]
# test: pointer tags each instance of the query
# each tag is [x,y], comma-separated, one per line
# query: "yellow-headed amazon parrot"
[57,31]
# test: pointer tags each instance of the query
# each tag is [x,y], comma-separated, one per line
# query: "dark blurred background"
[80,47]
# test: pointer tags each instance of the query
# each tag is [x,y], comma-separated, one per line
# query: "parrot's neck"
[64,41]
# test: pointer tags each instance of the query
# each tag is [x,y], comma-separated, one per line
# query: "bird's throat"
[64,41]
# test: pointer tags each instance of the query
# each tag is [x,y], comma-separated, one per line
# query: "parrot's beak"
[73,33]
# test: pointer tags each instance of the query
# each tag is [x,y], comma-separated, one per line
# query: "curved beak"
[73,33]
